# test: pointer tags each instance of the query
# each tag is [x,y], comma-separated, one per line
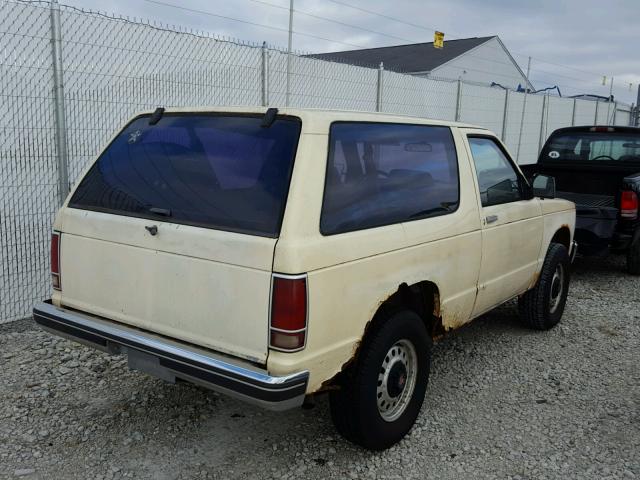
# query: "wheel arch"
[422,298]
[563,237]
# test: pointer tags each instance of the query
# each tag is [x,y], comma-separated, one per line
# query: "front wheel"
[379,398]
[541,307]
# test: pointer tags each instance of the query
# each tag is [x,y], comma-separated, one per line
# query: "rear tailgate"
[596,219]
[215,189]
[206,287]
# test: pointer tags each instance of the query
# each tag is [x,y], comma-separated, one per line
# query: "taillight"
[629,205]
[602,129]
[55,261]
[288,328]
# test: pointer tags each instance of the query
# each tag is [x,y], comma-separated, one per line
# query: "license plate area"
[150,364]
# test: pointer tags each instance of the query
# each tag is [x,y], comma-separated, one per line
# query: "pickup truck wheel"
[541,307]
[633,257]
[379,397]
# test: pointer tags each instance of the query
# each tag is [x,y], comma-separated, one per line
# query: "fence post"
[504,115]
[287,99]
[636,116]
[379,87]
[613,116]
[524,107]
[58,95]
[573,112]
[595,120]
[265,75]
[542,122]
[458,100]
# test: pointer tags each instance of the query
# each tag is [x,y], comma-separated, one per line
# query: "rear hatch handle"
[165,212]
[152,229]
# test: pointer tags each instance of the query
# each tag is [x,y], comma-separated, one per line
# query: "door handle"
[491,218]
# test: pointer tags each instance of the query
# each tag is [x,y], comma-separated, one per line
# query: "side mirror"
[544,186]
[502,192]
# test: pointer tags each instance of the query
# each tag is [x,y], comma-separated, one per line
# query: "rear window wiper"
[165,212]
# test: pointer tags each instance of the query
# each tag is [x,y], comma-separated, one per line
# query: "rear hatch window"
[593,146]
[219,171]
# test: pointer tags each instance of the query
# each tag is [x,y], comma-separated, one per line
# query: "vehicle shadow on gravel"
[608,265]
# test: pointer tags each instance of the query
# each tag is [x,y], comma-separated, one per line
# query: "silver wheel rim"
[397,380]
[557,288]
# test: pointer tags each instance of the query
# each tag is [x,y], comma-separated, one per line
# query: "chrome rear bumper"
[169,359]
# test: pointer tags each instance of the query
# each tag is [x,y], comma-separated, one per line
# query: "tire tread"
[345,407]
[531,304]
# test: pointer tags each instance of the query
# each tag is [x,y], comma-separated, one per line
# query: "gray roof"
[416,57]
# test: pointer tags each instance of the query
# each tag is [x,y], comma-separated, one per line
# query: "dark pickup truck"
[598,168]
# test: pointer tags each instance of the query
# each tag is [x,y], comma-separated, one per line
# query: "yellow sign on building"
[438,40]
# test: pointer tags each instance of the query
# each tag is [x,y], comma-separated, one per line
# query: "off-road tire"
[535,306]
[633,256]
[355,403]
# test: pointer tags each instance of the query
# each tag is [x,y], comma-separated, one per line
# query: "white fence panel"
[417,96]
[529,145]
[320,84]
[559,112]
[604,113]
[483,106]
[585,112]
[514,117]
[623,117]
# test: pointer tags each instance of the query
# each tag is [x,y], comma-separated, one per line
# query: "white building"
[483,60]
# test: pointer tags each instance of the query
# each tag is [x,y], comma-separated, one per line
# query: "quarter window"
[497,179]
[382,173]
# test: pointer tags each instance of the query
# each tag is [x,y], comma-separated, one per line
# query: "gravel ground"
[503,402]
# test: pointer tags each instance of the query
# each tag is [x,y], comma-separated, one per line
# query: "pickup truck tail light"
[629,205]
[288,324]
[56,280]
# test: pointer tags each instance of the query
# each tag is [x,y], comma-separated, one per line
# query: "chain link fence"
[108,68]
[28,163]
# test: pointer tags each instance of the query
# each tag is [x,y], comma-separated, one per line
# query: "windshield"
[217,171]
[593,146]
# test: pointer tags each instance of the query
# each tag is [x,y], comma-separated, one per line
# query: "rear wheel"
[541,307]
[380,396]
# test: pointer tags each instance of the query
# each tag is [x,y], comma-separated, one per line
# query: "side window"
[384,173]
[497,179]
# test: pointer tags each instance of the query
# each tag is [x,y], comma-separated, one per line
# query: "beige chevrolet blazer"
[274,254]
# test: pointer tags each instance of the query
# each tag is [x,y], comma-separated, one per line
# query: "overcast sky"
[596,37]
